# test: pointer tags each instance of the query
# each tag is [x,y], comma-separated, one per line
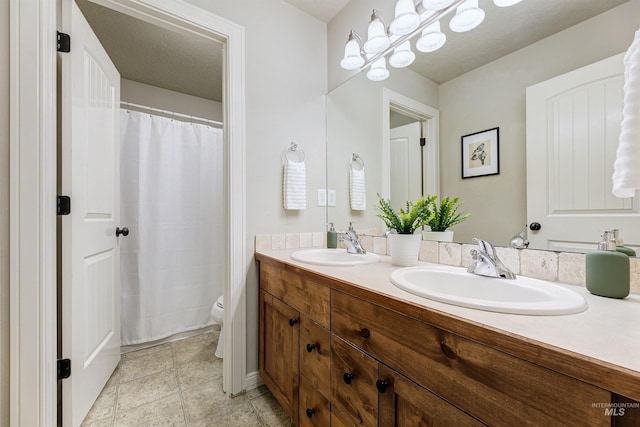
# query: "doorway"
[33,335]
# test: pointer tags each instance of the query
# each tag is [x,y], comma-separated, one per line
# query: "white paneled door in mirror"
[573,127]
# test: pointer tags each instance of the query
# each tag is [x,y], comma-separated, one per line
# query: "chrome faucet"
[353,243]
[487,262]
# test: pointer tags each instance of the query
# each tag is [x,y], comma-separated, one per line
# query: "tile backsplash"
[562,267]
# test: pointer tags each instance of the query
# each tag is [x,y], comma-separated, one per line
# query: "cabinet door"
[353,383]
[315,409]
[278,362]
[315,355]
[404,403]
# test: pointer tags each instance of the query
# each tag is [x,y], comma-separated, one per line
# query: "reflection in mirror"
[493,95]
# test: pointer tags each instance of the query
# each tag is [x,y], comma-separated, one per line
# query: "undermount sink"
[333,257]
[454,285]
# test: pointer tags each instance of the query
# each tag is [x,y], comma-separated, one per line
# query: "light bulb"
[377,39]
[406,18]
[436,4]
[402,56]
[468,16]
[432,38]
[378,70]
[505,3]
[352,58]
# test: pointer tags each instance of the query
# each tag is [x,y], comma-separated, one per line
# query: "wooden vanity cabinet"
[333,355]
[278,349]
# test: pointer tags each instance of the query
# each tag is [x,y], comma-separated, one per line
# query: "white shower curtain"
[172,262]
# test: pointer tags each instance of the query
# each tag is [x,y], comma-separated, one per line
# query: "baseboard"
[252,380]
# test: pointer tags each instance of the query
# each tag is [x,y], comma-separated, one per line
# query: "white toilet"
[217,314]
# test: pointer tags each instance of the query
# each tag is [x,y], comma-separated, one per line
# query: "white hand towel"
[357,190]
[626,175]
[294,186]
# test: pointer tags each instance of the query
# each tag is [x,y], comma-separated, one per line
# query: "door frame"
[431,117]
[32,203]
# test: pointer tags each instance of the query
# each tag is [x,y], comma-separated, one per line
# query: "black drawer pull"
[292,322]
[310,347]
[310,412]
[364,333]
[348,377]
[447,351]
[382,385]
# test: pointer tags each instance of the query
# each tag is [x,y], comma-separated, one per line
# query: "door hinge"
[423,142]
[64,205]
[64,368]
[64,42]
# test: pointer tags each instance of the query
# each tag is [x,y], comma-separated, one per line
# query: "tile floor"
[179,384]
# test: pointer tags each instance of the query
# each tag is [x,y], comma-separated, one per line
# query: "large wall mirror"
[363,116]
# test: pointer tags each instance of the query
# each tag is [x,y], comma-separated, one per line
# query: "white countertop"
[609,330]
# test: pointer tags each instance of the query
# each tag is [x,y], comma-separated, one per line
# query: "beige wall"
[151,96]
[4,212]
[286,83]
[494,96]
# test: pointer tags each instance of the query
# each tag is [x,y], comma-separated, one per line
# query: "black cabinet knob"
[447,351]
[310,347]
[292,322]
[382,385]
[310,412]
[348,377]
[124,231]
[535,226]
[364,333]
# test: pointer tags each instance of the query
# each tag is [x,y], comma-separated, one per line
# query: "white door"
[405,166]
[573,126]
[90,99]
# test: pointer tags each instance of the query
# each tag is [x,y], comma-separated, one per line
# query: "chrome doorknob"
[124,231]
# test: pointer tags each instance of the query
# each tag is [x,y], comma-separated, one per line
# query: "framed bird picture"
[480,153]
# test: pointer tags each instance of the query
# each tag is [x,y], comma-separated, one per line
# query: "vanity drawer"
[315,354]
[353,383]
[489,384]
[315,409]
[306,296]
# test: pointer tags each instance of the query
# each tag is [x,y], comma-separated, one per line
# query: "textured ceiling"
[156,56]
[193,65]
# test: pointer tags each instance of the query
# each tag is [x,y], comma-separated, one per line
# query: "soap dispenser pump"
[332,237]
[620,245]
[607,270]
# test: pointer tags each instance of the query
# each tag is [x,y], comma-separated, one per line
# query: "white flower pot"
[404,249]
[440,236]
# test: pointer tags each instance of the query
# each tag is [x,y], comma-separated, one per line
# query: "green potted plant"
[404,244]
[446,214]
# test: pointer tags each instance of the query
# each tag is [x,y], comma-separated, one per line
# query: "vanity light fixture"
[436,4]
[377,38]
[468,16]
[381,42]
[352,57]
[378,70]
[432,38]
[505,3]
[402,56]
[406,18]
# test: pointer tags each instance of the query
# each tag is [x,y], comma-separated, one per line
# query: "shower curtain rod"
[171,114]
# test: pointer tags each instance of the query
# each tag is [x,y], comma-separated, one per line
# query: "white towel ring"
[295,149]
[356,159]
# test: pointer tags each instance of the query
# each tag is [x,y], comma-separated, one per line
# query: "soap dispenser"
[607,270]
[332,237]
[620,245]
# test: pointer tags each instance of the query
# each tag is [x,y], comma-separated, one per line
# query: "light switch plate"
[331,197]
[322,197]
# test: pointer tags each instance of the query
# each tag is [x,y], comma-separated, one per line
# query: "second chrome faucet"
[487,262]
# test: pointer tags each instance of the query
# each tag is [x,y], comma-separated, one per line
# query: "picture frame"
[481,153]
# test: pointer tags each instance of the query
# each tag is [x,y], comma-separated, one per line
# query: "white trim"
[253,380]
[33,191]
[32,213]
[431,116]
